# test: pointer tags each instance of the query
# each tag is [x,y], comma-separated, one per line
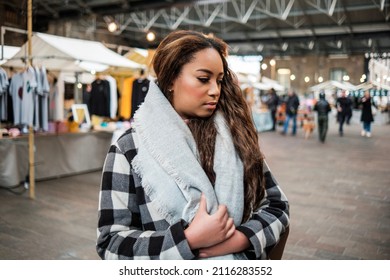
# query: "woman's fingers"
[230,228]
[203,203]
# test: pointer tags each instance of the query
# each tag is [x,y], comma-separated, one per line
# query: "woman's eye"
[203,80]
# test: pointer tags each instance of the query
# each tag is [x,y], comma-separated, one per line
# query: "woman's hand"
[237,243]
[207,230]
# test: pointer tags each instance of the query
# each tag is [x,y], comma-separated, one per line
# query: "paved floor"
[339,191]
[339,194]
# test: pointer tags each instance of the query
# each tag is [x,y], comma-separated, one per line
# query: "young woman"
[188,180]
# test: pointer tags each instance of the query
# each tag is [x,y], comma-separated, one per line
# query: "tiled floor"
[339,194]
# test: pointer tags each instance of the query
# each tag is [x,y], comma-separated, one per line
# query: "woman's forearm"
[237,243]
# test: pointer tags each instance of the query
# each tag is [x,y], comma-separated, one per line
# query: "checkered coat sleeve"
[268,222]
[130,228]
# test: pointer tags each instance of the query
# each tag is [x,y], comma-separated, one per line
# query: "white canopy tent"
[332,85]
[267,84]
[330,88]
[365,86]
[138,55]
[70,55]
[6,52]
[372,85]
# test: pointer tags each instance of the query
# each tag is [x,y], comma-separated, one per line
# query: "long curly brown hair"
[178,49]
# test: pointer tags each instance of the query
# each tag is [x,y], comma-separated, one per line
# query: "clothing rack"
[28,63]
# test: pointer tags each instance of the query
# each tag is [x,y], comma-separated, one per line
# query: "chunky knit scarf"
[167,162]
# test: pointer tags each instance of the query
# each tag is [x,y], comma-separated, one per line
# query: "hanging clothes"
[99,102]
[36,98]
[140,89]
[113,96]
[29,91]
[22,89]
[4,83]
[56,98]
[41,117]
[126,98]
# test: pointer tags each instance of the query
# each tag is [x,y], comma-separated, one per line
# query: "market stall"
[58,153]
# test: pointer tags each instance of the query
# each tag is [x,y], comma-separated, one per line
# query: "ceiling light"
[272,62]
[150,36]
[307,79]
[320,79]
[112,26]
[264,66]
[292,77]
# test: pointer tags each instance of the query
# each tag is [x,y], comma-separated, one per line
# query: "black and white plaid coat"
[129,227]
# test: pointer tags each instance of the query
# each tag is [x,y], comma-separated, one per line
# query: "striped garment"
[129,227]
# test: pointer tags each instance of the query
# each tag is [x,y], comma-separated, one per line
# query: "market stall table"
[56,155]
[262,120]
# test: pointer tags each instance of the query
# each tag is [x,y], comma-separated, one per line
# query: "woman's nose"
[215,88]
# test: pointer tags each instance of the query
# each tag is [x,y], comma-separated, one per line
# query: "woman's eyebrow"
[208,71]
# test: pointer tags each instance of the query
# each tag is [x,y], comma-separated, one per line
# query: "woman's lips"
[211,105]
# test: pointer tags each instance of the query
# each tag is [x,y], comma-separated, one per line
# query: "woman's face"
[197,89]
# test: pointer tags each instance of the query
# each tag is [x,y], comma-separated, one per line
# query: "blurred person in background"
[344,108]
[348,117]
[272,103]
[322,107]
[367,115]
[292,105]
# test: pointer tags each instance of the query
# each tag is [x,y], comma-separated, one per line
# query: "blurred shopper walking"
[272,103]
[292,105]
[348,117]
[367,116]
[344,108]
[323,108]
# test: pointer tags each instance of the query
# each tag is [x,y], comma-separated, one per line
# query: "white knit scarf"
[167,162]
